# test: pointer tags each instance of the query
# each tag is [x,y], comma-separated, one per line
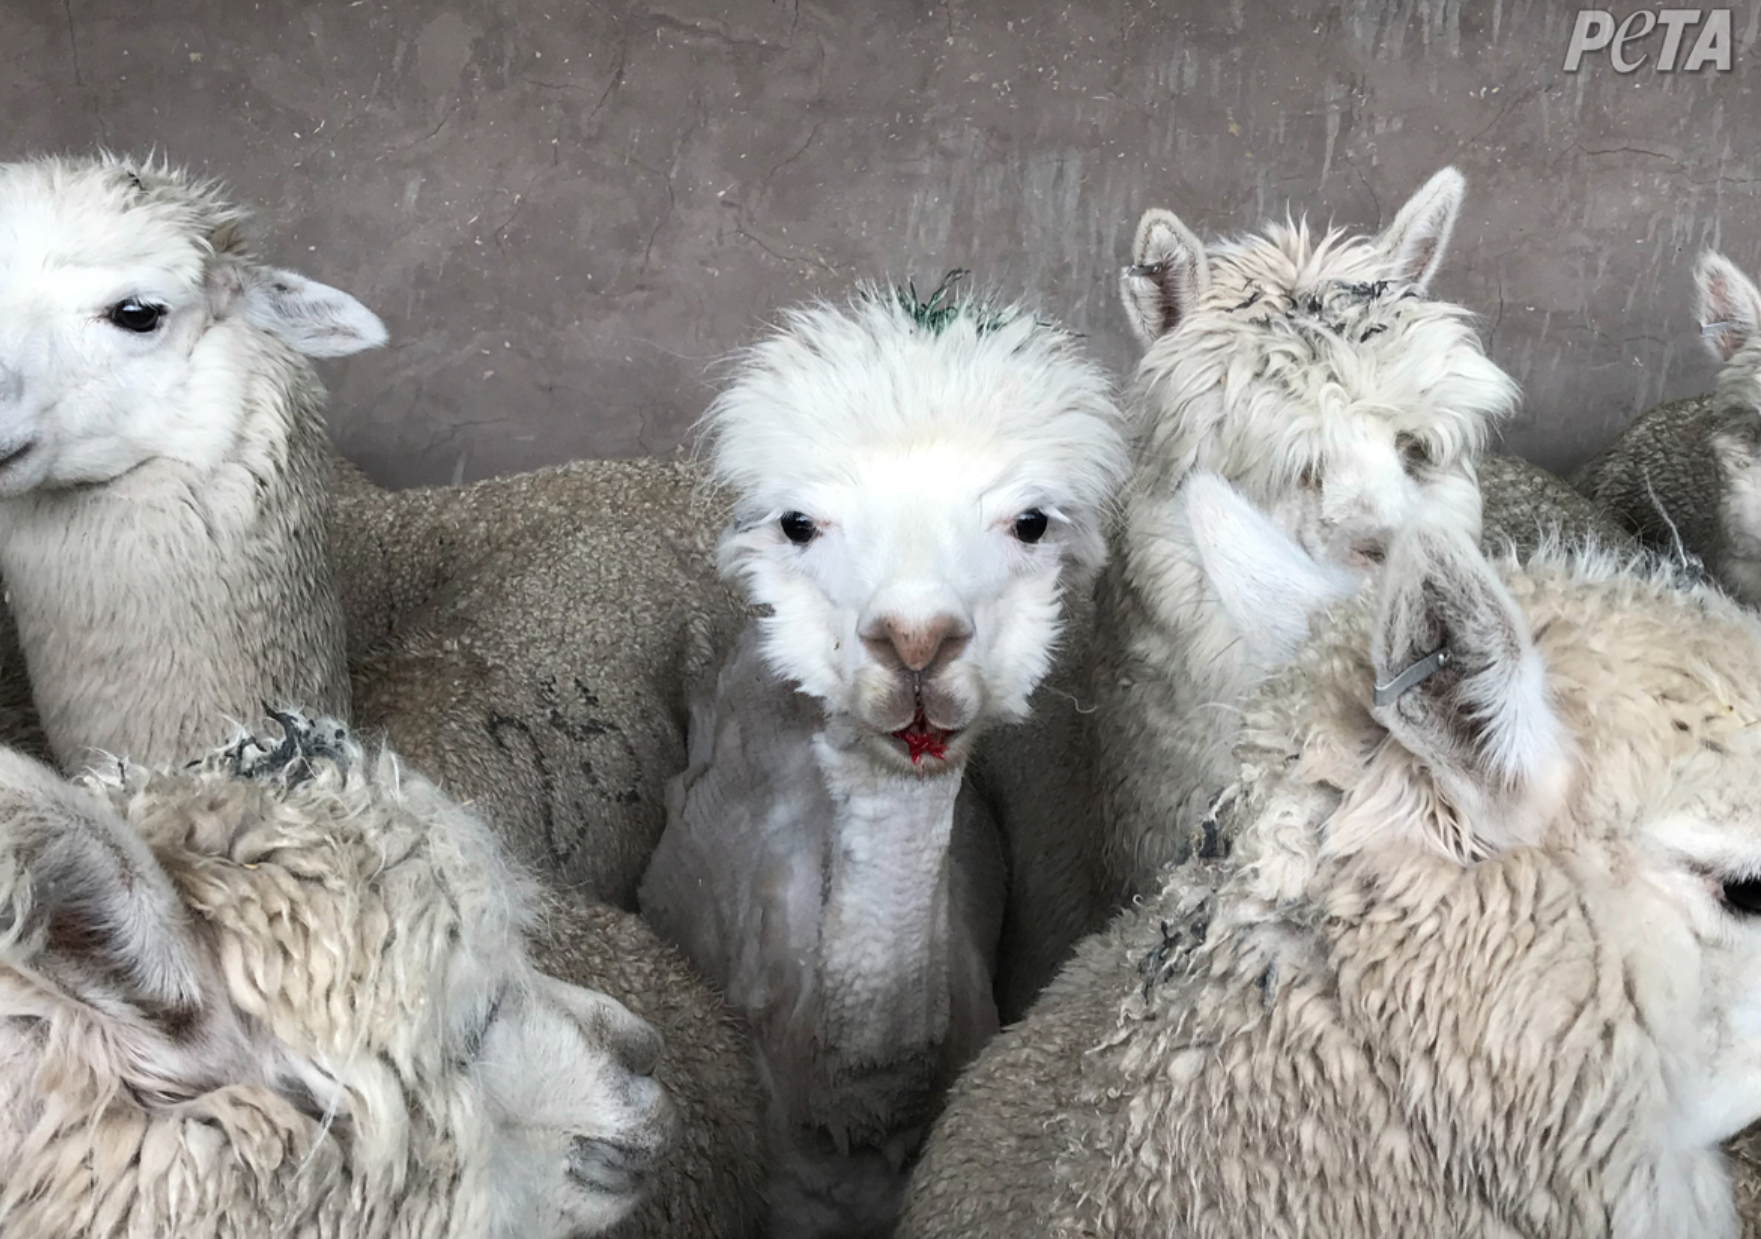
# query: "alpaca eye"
[1743,898]
[1415,453]
[139,317]
[799,528]
[1030,526]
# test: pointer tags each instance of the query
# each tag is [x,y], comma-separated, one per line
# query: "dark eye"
[136,316]
[799,528]
[1744,898]
[1415,453]
[1030,526]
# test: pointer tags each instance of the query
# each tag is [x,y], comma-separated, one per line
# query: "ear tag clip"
[1418,673]
[1138,270]
[1712,329]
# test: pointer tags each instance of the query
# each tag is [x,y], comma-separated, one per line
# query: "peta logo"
[1595,31]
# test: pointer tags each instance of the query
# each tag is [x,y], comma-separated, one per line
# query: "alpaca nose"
[919,643]
[639,1046]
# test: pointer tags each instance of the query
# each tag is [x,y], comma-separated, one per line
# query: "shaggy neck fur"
[154,608]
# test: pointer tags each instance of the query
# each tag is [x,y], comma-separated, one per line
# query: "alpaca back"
[1524,506]
[528,641]
[1660,479]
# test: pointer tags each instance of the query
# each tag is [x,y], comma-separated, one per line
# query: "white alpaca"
[286,992]
[161,461]
[1685,477]
[915,485]
[1318,378]
[1315,374]
[146,356]
[1483,958]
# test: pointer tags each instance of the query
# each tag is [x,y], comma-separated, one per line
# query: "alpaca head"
[132,317]
[297,974]
[915,484]
[1589,720]
[1314,374]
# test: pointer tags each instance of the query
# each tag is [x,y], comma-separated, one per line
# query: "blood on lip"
[921,738]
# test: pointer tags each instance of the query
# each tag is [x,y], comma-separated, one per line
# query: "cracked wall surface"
[566,212]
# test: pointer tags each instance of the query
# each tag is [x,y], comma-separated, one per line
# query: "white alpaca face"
[1315,375]
[124,335]
[912,504]
[921,602]
[338,956]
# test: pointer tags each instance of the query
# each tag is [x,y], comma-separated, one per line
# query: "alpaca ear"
[86,907]
[1269,587]
[1728,305]
[1413,244]
[314,318]
[1168,272]
[1479,756]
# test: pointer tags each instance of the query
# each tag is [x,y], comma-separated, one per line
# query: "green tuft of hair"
[936,311]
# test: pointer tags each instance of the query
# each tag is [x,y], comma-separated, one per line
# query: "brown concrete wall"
[565,210]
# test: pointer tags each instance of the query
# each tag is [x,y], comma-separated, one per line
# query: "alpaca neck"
[157,609]
[1173,618]
[886,932]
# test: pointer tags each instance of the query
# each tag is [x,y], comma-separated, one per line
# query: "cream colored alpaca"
[189,581]
[287,993]
[1484,956]
[1318,378]
[1315,373]
[916,485]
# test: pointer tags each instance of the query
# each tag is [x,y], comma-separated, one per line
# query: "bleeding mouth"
[920,738]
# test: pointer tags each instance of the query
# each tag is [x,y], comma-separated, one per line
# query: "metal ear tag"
[1418,673]
[1707,329]
[1138,270]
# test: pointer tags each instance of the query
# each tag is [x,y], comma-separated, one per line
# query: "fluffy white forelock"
[835,384]
[1304,339]
[116,214]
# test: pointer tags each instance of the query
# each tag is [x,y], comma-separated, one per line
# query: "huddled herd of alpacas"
[975,800]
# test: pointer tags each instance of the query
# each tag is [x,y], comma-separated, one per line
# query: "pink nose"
[919,644]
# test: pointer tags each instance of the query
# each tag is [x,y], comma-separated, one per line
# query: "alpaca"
[286,991]
[915,486]
[1684,477]
[161,457]
[1472,950]
[227,495]
[1316,375]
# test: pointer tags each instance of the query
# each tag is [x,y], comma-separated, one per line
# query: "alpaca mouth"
[921,739]
[610,1166]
